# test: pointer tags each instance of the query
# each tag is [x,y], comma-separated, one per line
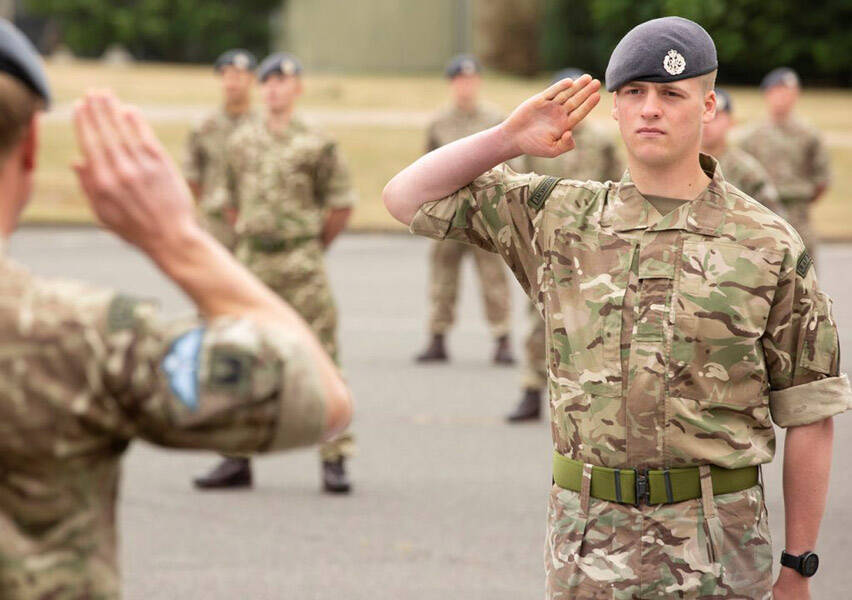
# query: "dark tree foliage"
[752,36]
[174,30]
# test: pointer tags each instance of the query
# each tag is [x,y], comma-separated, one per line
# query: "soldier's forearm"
[807,463]
[445,170]
[195,188]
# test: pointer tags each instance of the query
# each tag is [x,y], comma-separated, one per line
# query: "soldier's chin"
[652,153]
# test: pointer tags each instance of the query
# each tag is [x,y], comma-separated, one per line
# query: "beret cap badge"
[674,63]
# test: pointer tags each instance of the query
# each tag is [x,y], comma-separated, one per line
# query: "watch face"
[810,563]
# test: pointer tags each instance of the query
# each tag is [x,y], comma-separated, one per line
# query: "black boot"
[435,351]
[230,473]
[503,352]
[334,478]
[528,409]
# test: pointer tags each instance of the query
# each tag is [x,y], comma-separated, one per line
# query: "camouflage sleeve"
[194,159]
[499,212]
[802,349]
[820,163]
[228,385]
[333,182]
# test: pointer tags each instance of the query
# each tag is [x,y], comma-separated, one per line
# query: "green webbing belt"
[661,487]
[261,244]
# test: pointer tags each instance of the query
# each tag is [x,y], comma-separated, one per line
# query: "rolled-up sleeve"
[230,385]
[802,350]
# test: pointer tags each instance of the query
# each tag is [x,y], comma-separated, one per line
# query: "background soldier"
[595,158]
[293,196]
[791,151]
[467,115]
[740,168]
[683,319]
[84,371]
[204,163]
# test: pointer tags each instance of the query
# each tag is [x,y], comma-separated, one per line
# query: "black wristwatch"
[805,564]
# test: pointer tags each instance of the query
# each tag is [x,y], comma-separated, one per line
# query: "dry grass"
[375,153]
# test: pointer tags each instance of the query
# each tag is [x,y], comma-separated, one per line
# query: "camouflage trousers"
[799,216]
[445,263]
[709,548]
[534,374]
[298,275]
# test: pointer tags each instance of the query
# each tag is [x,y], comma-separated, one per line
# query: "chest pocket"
[589,280]
[722,303]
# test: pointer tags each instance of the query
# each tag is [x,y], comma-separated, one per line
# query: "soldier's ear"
[709,106]
[614,110]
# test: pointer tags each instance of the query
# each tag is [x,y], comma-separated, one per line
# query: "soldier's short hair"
[18,104]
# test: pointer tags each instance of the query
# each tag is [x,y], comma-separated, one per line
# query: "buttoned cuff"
[810,402]
[429,225]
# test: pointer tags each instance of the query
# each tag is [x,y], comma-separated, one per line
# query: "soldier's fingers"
[565,143]
[579,113]
[128,141]
[579,85]
[551,92]
[100,107]
[581,95]
[87,137]
[142,131]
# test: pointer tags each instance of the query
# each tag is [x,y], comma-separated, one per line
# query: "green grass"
[374,153]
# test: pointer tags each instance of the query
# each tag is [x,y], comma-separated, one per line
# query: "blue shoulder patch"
[181,367]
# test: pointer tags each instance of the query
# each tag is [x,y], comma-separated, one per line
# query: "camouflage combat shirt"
[672,340]
[83,372]
[742,171]
[284,182]
[204,163]
[794,155]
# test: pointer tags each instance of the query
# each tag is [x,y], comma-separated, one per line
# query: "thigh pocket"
[742,544]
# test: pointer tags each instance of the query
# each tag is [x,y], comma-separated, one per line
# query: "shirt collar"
[705,214]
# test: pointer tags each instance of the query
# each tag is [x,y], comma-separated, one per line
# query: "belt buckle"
[642,487]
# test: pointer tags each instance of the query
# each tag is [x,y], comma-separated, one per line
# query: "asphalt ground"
[449,501]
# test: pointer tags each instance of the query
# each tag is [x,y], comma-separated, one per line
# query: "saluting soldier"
[595,158]
[204,161]
[84,371]
[792,152]
[465,116]
[293,195]
[683,320]
[740,168]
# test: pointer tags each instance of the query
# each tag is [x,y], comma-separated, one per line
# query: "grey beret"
[242,59]
[661,50]
[281,63]
[723,101]
[569,73]
[20,59]
[780,76]
[462,64]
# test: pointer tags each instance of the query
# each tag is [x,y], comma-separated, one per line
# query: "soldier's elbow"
[395,203]
[338,410]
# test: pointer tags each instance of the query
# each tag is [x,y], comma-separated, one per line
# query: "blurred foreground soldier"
[292,194]
[595,158]
[683,319]
[466,116]
[739,168]
[791,151]
[204,163]
[84,371]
